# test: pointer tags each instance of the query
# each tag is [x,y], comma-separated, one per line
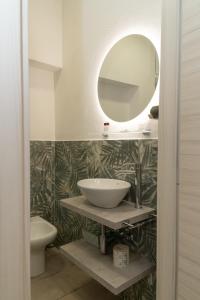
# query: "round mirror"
[128,78]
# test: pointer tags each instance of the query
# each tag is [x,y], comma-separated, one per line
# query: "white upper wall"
[46,32]
[46,54]
[42,105]
[91,28]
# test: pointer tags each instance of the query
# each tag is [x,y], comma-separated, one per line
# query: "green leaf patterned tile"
[57,166]
[42,179]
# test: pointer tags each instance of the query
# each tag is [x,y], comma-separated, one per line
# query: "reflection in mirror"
[128,78]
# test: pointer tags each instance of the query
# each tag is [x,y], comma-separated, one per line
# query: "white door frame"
[168,149]
[14,152]
[14,202]
[26,131]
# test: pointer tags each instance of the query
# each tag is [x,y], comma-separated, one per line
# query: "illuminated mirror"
[128,78]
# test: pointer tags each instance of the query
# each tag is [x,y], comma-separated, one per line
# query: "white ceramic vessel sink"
[103,192]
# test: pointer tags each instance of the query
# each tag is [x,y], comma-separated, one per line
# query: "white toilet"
[42,234]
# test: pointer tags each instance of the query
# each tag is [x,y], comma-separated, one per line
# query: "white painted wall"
[46,32]
[42,104]
[91,28]
[45,54]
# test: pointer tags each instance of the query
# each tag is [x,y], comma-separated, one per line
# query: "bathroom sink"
[103,192]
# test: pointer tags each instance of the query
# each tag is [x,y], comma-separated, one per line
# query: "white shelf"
[100,267]
[117,82]
[44,66]
[113,218]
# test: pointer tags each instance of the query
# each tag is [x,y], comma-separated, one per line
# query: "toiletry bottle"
[106,129]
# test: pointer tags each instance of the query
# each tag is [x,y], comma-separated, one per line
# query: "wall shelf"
[44,66]
[112,218]
[89,258]
[101,268]
[104,80]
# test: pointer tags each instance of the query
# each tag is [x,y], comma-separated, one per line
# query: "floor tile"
[64,280]
[91,291]
[55,263]
[60,278]
[71,279]
[46,289]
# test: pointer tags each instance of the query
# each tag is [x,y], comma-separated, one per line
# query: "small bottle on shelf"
[106,129]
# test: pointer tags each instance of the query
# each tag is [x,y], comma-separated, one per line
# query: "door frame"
[14,150]
[167,160]
[26,135]
[168,151]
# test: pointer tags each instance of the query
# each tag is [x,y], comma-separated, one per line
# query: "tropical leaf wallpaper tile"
[144,290]
[57,166]
[148,150]
[70,166]
[118,159]
[42,169]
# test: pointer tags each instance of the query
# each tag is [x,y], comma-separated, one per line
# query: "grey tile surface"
[92,290]
[63,280]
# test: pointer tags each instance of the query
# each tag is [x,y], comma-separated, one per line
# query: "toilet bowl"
[42,234]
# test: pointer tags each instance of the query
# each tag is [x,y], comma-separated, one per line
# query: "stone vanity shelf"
[101,268]
[113,218]
[91,260]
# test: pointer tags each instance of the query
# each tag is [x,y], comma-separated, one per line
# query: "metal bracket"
[139,224]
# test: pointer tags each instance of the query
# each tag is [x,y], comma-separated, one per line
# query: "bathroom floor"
[64,281]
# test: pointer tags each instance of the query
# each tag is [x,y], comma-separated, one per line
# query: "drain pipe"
[103,239]
[138,182]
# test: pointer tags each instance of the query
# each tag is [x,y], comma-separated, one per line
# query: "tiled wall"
[42,159]
[57,166]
